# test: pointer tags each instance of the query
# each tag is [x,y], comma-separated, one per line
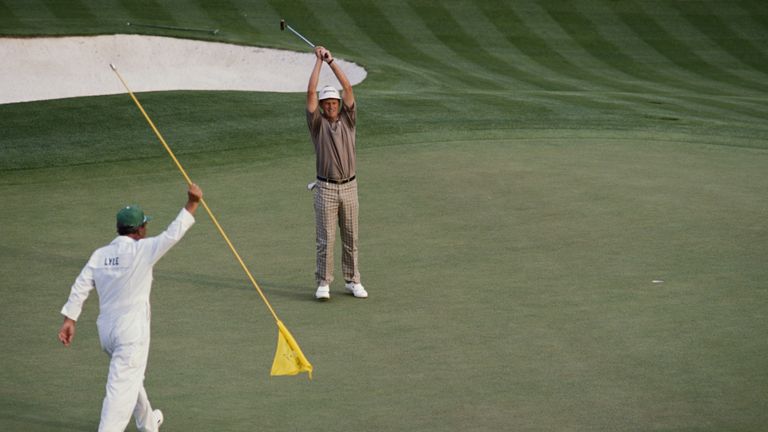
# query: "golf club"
[283,26]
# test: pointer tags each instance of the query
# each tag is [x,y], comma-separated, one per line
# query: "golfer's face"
[330,107]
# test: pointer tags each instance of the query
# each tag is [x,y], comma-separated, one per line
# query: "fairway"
[563,222]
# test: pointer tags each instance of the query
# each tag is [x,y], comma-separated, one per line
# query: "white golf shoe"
[356,290]
[323,292]
[159,417]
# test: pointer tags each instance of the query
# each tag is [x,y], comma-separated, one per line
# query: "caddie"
[121,272]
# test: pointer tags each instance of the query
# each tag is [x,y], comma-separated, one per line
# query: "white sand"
[53,68]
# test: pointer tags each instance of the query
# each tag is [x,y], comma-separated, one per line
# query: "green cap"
[132,216]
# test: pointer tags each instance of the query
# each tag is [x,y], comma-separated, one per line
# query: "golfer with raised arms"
[121,272]
[331,120]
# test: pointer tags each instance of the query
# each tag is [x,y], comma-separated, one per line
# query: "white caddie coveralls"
[121,272]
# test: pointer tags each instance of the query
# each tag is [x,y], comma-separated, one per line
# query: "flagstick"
[283,365]
[202,201]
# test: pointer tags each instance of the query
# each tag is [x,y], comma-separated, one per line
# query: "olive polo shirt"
[334,143]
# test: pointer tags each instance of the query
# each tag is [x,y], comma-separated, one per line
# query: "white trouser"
[126,341]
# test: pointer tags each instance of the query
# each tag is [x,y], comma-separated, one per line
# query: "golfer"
[331,119]
[121,272]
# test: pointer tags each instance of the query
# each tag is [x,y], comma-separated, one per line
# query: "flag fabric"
[289,360]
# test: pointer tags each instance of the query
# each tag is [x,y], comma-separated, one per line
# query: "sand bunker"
[54,68]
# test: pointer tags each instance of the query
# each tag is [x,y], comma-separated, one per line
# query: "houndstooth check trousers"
[336,204]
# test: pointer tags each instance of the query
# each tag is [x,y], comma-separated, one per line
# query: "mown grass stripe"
[381,30]
[516,31]
[637,61]
[357,43]
[445,28]
[495,39]
[228,16]
[607,26]
[700,16]
[646,53]
[7,18]
[737,109]
[713,109]
[586,34]
[575,103]
[667,45]
[430,111]
[71,9]
[518,108]
[582,99]
[757,12]
[591,104]
[148,11]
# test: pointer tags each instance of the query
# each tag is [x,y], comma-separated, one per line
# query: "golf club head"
[283,26]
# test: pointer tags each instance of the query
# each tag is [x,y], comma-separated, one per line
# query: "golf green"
[562,222]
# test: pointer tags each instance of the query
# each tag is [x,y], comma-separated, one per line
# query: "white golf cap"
[328,92]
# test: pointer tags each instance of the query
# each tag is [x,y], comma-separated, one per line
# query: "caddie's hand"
[194,193]
[67,331]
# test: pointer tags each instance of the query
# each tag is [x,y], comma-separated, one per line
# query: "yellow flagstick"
[289,360]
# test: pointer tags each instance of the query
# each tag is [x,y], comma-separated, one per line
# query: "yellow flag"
[289,360]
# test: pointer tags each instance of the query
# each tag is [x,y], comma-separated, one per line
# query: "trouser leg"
[145,417]
[124,383]
[348,211]
[326,217]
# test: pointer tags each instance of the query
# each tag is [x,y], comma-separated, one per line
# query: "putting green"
[512,282]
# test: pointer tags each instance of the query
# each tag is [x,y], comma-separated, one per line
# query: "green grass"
[527,169]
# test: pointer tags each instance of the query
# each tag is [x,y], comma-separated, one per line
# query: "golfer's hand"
[319,51]
[67,331]
[323,54]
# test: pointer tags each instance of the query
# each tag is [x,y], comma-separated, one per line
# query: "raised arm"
[347,95]
[194,195]
[314,78]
